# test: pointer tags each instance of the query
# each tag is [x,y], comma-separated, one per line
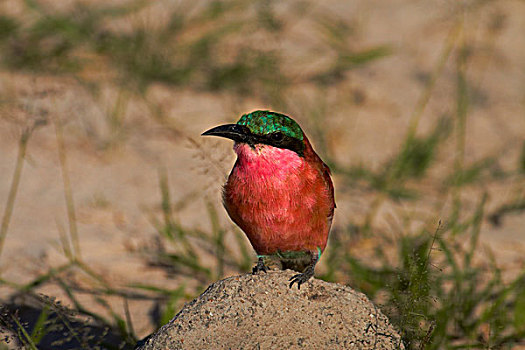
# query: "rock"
[261,312]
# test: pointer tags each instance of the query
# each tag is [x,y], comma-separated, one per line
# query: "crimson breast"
[283,202]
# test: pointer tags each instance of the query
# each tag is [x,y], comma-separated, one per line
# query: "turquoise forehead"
[265,122]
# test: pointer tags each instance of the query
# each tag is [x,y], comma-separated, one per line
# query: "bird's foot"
[259,267]
[302,277]
[308,272]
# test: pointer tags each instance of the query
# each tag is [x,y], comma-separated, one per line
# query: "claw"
[259,267]
[301,278]
[308,272]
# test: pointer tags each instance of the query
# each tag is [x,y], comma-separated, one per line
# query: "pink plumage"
[283,202]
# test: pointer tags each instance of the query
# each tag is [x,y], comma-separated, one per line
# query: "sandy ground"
[261,312]
[115,187]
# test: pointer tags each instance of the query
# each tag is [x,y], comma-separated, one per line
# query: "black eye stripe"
[281,140]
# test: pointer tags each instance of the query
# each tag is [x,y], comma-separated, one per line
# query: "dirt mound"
[261,312]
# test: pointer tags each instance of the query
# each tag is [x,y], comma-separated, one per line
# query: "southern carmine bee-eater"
[279,192]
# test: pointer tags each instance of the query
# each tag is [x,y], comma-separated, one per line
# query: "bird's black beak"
[238,133]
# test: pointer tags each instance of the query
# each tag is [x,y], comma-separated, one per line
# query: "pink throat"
[267,160]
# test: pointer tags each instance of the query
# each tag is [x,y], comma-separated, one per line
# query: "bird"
[279,192]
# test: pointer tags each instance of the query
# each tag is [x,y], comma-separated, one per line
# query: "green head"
[266,122]
[264,127]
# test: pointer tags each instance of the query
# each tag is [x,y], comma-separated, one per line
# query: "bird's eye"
[277,136]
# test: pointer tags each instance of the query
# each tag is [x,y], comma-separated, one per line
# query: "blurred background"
[110,199]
